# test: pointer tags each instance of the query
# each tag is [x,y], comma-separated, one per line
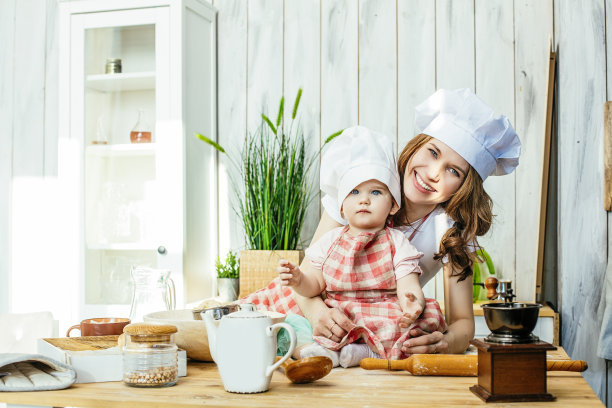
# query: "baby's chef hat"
[357,155]
[467,125]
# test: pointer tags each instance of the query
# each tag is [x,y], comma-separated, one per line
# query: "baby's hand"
[290,274]
[412,310]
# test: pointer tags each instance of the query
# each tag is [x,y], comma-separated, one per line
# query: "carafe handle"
[171,294]
[271,331]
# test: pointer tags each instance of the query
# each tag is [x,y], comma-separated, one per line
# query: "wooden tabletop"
[353,387]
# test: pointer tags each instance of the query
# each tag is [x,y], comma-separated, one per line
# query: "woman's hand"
[332,324]
[422,342]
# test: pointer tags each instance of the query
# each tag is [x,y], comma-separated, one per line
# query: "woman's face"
[433,174]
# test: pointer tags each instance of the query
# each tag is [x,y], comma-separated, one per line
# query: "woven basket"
[258,268]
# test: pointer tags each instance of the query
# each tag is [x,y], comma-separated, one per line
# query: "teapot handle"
[171,294]
[271,331]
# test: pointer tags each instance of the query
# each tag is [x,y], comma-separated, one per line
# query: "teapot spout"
[211,330]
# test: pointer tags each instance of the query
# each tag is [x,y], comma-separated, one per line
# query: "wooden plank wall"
[370,62]
[7,33]
[582,247]
[28,116]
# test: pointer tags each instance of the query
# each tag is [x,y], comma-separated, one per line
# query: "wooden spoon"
[307,369]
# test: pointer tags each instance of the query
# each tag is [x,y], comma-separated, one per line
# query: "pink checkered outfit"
[360,274]
[274,298]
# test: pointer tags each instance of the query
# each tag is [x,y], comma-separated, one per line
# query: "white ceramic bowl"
[191,335]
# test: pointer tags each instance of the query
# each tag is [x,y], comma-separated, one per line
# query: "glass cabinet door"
[116,105]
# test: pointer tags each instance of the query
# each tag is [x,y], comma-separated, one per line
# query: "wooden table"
[353,387]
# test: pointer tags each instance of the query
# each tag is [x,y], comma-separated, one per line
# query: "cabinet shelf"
[132,81]
[117,150]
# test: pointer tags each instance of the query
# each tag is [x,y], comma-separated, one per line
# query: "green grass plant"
[275,187]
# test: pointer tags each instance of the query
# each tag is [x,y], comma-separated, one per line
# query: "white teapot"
[244,348]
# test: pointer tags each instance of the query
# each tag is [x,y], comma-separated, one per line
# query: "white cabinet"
[148,203]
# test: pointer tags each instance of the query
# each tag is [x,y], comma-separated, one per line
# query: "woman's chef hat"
[357,155]
[467,125]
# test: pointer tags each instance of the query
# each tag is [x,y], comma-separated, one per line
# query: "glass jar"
[149,355]
[113,66]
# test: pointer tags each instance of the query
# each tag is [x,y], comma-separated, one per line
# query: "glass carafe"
[141,133]
[153,291]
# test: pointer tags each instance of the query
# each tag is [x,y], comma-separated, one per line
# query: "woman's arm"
[461,312]
[324,320]
[461,322]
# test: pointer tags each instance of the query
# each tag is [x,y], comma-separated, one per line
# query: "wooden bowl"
[191,335]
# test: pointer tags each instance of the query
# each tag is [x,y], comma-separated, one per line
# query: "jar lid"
[143,329]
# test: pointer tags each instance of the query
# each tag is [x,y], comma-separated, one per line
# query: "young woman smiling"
[444,209]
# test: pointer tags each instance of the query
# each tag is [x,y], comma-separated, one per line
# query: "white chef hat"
[467,125]
[357,155]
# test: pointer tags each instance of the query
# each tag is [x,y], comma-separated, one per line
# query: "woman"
[444,209]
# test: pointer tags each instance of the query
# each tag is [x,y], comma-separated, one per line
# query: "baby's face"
[367,206]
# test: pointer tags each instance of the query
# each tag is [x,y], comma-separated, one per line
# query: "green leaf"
[281,108]
[332,136]
[230,268]
[210,142]
[269,122]
[296,103]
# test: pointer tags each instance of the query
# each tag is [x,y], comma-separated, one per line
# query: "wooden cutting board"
[84,343]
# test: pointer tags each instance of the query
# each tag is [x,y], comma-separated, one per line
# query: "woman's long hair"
[470,207]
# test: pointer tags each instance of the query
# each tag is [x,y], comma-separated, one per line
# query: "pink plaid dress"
[360,278]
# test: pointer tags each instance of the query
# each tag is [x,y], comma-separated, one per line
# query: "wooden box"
[512,372]
[258,268]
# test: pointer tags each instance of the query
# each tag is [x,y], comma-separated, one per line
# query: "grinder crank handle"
[453,365]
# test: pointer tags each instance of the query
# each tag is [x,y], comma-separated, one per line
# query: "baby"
[366,269]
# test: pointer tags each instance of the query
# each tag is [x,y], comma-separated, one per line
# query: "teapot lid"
[248,311]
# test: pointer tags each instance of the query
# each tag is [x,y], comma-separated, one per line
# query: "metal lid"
[247,311]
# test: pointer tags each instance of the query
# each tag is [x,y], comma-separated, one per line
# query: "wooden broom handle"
[453,365]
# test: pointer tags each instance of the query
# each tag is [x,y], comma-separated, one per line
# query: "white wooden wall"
[370,62]
[580,33]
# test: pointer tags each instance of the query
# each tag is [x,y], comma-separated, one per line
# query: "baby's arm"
[308,283]
[411,298]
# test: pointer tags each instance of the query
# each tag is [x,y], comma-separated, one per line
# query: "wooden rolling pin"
[453,365]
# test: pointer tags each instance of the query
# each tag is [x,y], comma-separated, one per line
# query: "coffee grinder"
[511,360]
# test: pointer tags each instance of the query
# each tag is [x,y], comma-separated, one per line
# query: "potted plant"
[228,274]
[273,195]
